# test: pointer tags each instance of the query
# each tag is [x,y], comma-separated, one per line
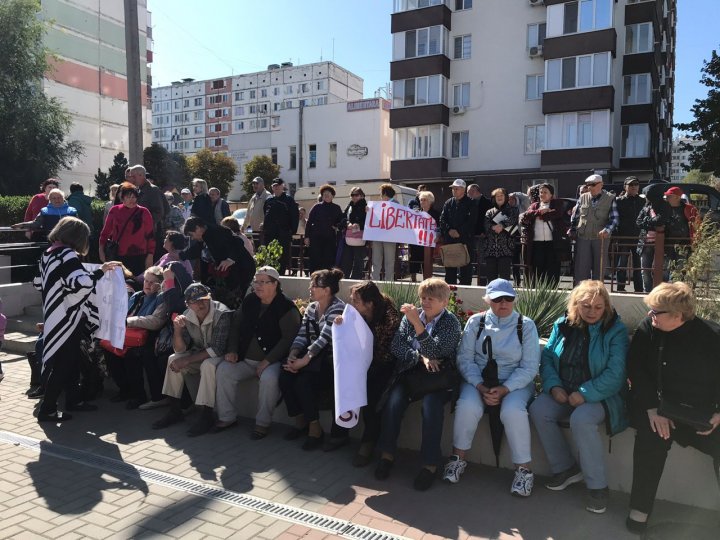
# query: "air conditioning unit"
[536,51]
[458,110]
[537,2]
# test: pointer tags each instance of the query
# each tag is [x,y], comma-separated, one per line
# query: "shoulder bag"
[454,255]
[354,237]
[112,246]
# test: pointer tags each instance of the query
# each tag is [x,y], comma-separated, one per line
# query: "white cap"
[593,179]
[459,183]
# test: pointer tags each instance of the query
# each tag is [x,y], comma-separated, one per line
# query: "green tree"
[115,175]
[217,169]
[706,125]
[33,143]
[261,166]
[102,185]
[696,176]
[166,167]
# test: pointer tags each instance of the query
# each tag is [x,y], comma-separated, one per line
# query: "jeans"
[622,262]
[584,422]
[433,414]
[513,414]
[353,261]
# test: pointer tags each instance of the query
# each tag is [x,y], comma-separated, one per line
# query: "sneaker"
[597,500]
[148,405]
[562,480]
[453,469]
[523,482]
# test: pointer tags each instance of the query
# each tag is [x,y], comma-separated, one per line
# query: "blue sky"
[211,39]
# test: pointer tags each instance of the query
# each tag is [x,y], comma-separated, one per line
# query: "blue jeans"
[433,413]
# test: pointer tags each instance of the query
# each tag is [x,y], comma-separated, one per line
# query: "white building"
[681,157]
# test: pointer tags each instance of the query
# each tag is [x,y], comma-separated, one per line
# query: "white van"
[308,196]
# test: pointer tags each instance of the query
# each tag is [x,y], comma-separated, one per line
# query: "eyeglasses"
[258,282]
[499,299]
[655,313]
[593,184]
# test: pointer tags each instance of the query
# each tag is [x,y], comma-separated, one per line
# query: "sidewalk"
[106,474]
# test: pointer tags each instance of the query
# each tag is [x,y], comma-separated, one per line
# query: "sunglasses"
[499,299]
[655,313]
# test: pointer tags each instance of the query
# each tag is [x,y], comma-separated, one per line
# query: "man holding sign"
[457,226]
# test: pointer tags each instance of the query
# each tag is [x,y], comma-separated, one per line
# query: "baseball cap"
[499,287]
[459,183]
[268,271]
[593,179]
[631,180]
[185,190]
[257,180]
[674,191]
[195,292]
[278,181]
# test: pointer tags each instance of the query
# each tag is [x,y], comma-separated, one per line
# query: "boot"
[204,423]
[35,367]
[173,416]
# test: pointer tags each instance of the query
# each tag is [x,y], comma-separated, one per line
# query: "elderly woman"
[202,205]
[50,215]
[111,200]
[417,253]
[672,360]
[544,224]
[379,312]
[383,253]
[513,344]
[583,377]
[174,243]
[261,334]
[321,230]
[426,340]
[130,227]
[500,221]
[353,257]
[308,371]
[41,200]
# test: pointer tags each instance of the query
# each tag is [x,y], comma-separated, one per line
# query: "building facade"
[514,93]
[681,157]
[89,78]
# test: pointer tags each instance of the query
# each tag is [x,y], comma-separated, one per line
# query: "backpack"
[519,326]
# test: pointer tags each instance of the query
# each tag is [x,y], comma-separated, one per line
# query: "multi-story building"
[681,157]
[510,93]
[89,78]
[311,119]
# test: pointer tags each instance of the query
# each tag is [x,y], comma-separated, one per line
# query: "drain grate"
[342,528]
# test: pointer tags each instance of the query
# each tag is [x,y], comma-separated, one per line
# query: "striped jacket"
[302,340]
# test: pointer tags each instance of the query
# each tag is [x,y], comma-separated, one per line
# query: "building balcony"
[579,44]
[580,99]
[577,158]
[410,68]
[418,169]
[426,115]
[421,18]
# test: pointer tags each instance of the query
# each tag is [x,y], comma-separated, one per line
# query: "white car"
[240,214]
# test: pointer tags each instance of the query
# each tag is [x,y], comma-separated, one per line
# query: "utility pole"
[134,88]
[300,144]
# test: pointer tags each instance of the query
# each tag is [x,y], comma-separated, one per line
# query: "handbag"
[112,247]
[354,237]
[419,382]
[454,255]
[134,337]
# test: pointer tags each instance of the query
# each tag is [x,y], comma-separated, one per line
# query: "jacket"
[629,209]
[212,334]
[202,207]
[49,216]
[607,352]
[281,217]
[355,214]
[256,212]
[322,221]
[460,215]
[441,345]
[503,244]
[152,198]
[146,312]
[83,204]
[555,217]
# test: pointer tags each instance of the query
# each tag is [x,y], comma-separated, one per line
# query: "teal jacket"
[607,352]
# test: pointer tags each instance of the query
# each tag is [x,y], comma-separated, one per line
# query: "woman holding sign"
[354,250]
[500,226]
[417,253]
[383,253]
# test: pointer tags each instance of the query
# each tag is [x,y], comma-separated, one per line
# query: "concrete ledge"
[16,296]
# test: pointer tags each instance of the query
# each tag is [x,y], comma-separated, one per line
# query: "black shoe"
[35,393]
[424,480]
[119,397]
[203,424]
[333,443]
[54,417]
[312,443]
[295,433]
[635,527]
[382,471]
[83,406]
[173,416]
[134,404]
[361,460]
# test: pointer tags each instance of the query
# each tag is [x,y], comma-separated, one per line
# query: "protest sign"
[391,222]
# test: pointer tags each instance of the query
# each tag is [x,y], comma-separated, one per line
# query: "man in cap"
[281,220]
[200,338]
[256,209]
[186,204]
[680,219]
[629,205]
[594,219]
[457,226]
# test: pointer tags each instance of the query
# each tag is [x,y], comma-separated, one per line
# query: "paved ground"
[106,475]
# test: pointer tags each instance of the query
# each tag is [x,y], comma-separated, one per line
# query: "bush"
[12,209]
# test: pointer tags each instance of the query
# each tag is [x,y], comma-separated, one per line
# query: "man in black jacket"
[457,225]
[629,205]
[281,220]
[483,205]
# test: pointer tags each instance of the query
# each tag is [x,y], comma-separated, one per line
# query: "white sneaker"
[154,404]
[523,482]
[453,469]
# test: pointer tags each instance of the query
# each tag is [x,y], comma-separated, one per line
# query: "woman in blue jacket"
[583,374]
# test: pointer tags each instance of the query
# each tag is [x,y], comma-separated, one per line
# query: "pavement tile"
[93,531]
[219,531]
[274,530]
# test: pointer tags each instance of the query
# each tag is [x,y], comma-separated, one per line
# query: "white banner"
[112,303]
[392,222]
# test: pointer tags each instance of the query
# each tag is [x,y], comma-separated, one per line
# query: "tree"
[217,169]
[33,143]
[696,176]
[165,167]
[706,125]
[261,166]
[102,185]
[115,175]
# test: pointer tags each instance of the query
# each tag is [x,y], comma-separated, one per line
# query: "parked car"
[240,215]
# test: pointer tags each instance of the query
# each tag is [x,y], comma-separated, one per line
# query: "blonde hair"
[56,190]
[588,290]
[435,288]
[426,195]
[675,298]
[156,271]
[72,232]
[202,183]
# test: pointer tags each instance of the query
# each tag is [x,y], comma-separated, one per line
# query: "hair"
[355,190]
[369,292]
[56,190]
[127,187]
[426,195]
[549,187]
[200,182]
[328,278]
[387,190]
[156,271]
[214,190]
[75,186]
[588,290]
[675,298]
[327,187]
[434,287]
[421,187]
[473,186]
[73,233]
[113,190]
[177,239]
[231,223]
[192,223]
[50,182]
[500,190]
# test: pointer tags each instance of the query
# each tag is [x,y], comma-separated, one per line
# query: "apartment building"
[514,92]
[681,157]
[89,78]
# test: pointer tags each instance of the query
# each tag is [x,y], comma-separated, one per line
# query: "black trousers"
[62,372]
[378,378]
[498,267]
[127,372]
[322,253]
[545,262]
[650,453]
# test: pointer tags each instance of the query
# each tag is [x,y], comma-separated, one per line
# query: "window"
[199,130]
[461,95]
[273,155]
[178,118]
[534,139]
[420,91]
[217,142]
[176,104]
[462,4]
[578,16]
[253,109]
[276,91]
[239,126]
[166,106]
[332,155]
[263,123]
[263,109]
[217,127]
[534,85]
[263,92]
[636,89]
[460,143]
[198,144]
[276,106]
[578,71]
[302,88]
[238,96]
[635,141]
[638,38]
[293,158]
[419,142]
[218,84]
[320,85]
[577,130]
[289,90]
[312,160]
[197,115]
[462,47]
[239,110]
[407,5]
[420,42]
[253,125]
[198,102]
[186,103]
[535,34]
[252,94]
[275,122]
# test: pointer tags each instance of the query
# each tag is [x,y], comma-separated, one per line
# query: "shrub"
[543,303]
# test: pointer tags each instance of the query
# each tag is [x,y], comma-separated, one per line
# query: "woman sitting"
[500,222]
[379,312]
[515,348]
[427,339]
[308,371]
[583,376]
[174,243]
[672,359]
[262,332]
[49,215]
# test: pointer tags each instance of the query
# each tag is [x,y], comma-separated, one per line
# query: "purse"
[354,237]
[134,337]
[419,382]
[454,255]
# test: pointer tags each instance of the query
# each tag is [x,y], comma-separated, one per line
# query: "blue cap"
[500,287]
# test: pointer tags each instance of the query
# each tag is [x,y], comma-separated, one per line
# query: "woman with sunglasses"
[673,354]
[517,364]
[583,377]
